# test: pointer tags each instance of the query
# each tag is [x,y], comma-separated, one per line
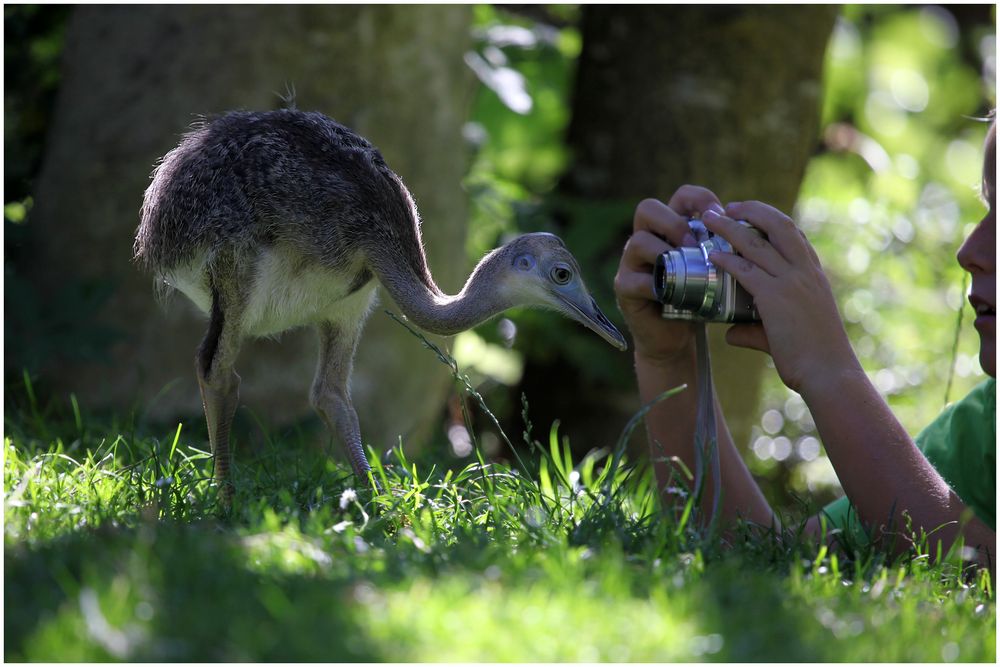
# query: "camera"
[690,287]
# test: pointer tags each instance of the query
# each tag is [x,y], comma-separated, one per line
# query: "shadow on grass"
[174,593]
[755,617]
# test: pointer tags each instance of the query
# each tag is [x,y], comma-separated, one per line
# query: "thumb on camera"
[748,335]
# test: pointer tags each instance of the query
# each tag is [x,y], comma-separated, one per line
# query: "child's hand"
[800,324]
[656,229]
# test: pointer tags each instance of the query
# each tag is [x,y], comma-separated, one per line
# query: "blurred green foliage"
[887,204]
[513,185]
[516,127]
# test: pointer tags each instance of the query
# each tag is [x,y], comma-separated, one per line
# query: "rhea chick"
[273,220]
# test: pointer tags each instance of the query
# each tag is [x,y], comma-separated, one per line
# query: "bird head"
[542,272]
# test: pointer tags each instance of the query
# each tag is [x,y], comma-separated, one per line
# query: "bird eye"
[524,262]
[560,275]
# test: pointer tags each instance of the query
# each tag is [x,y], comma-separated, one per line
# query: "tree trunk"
[135,78]
[726,97]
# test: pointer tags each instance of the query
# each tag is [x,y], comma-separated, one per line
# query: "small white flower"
[342,526]
[968,553]
[347,497]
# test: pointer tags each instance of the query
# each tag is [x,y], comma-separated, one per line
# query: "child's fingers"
[753,278]
[747,243]
[654,216]
[630,284]
[693,200]
[779,228]
[750,336]
[643,248]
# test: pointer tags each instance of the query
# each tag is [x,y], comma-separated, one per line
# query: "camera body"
[690,287]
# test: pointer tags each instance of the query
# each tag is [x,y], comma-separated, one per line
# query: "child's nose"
[978,254]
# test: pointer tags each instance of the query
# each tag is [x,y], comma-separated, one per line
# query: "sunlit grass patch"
[167,591]
[482,563]
[488,618]
[54,492]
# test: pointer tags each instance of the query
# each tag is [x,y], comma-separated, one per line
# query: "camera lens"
[690,287]
[685,279]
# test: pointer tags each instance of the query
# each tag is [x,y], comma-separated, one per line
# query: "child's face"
[978,256]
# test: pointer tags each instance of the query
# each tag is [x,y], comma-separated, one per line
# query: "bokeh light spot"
[772,421]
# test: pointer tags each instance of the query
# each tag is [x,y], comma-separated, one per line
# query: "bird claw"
[367,475]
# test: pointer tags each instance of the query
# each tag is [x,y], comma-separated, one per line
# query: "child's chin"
[988,356]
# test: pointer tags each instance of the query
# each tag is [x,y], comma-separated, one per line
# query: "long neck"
[481,298]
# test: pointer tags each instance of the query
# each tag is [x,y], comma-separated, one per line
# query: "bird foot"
[226,493]
[365,475]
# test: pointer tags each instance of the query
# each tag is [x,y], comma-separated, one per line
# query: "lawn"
[115,549]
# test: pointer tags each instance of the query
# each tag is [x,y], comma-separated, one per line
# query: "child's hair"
[990,152]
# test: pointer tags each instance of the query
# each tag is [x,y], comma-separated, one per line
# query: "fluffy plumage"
[273,220]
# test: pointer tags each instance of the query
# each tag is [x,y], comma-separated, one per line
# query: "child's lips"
[986,313]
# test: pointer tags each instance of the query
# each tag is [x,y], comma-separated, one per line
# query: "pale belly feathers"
[284,294]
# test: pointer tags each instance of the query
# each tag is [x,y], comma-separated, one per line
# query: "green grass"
[115,550]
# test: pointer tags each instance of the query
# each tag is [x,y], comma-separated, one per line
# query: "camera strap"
[706,442]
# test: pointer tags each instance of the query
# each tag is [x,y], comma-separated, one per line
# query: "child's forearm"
[882,471]
[670,424]
[670,427]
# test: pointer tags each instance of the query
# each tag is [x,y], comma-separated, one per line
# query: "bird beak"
[589,315]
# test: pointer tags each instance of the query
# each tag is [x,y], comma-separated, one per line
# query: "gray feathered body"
[253,203]
[273,220]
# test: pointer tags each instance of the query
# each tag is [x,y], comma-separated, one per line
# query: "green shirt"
[961,445]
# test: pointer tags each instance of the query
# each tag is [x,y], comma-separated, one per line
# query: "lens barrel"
[690,287]
[689,281]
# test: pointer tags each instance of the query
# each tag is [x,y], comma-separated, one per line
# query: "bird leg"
[220,393]
[331,393]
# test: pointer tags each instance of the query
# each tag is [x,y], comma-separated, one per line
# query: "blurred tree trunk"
[726,97]
[135,78]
